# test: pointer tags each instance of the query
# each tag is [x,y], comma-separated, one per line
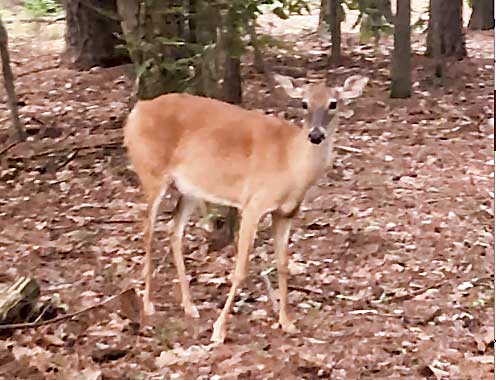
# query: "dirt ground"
[392,254]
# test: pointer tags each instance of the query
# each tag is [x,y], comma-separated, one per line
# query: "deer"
[220,153]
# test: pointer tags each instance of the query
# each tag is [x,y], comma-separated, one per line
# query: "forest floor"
[392,255]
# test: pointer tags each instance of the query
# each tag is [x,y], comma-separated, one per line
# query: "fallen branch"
[348,149]
[305,290]
[374,312]
[8,147]
[38,20]
[63,317]
[417,292]
[69,158]
[39,70]
[112,144]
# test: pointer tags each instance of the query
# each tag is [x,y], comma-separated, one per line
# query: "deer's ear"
[288,86]
[353,86]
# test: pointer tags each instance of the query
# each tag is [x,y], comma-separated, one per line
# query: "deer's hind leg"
[247,232]
[185,207]
[154,192]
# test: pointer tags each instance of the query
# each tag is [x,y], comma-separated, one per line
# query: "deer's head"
[321,103]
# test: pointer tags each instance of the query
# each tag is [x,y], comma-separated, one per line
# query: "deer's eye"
[333,105]
[304,105]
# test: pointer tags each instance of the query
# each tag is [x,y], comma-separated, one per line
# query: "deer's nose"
[316,136]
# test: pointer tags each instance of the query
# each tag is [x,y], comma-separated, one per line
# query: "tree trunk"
[436,10]
[335,28]
[193,11]
[8,78]
[401,78]
[258,60]
[152,31]
[450,30]
[208,69]
[324,12]
[482,17]
[90,38]
[232,80]
[386,11]
[232,67]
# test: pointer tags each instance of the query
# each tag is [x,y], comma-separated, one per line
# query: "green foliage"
[374,18]
[283,9]
[162,55]
[41,8]
[243,12]
[266,40]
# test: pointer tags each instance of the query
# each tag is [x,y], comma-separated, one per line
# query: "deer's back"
[209,147]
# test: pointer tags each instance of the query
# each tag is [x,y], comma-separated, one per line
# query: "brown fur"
[224,154]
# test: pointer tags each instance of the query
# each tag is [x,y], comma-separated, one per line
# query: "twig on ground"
[8,147]
[270,290]
[63,317]
[38,20]
[374,312]
[305,290]
[39,70]
[35,119]
[348,149]
[42,313]
[69,158]
[417,292]
[111,144]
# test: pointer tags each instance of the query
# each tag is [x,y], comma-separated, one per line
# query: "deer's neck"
[314,160]
[318,157]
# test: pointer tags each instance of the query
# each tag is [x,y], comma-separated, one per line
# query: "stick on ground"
[63,317]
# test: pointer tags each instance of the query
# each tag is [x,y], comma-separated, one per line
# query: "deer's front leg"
[247,231]
[281,226]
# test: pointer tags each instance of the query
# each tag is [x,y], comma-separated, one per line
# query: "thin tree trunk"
[232,66]
[232,80]
[401,79]
[385,7]
[147,29]
[482,17]
[192,24]
[439,63]
[258,57]
[335,27]
[450,28]
[91,28]
[324,13]
[8,78]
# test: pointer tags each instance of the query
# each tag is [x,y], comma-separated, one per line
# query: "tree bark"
[152,31]
[258,59]
[335,28]
[8,78]
[450,30]
[401,79]
[232,80]
[208,70]
[193,11]
[90,37]
[482,17]
[436,10]
[232,67]
[385,7]
[324,12]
